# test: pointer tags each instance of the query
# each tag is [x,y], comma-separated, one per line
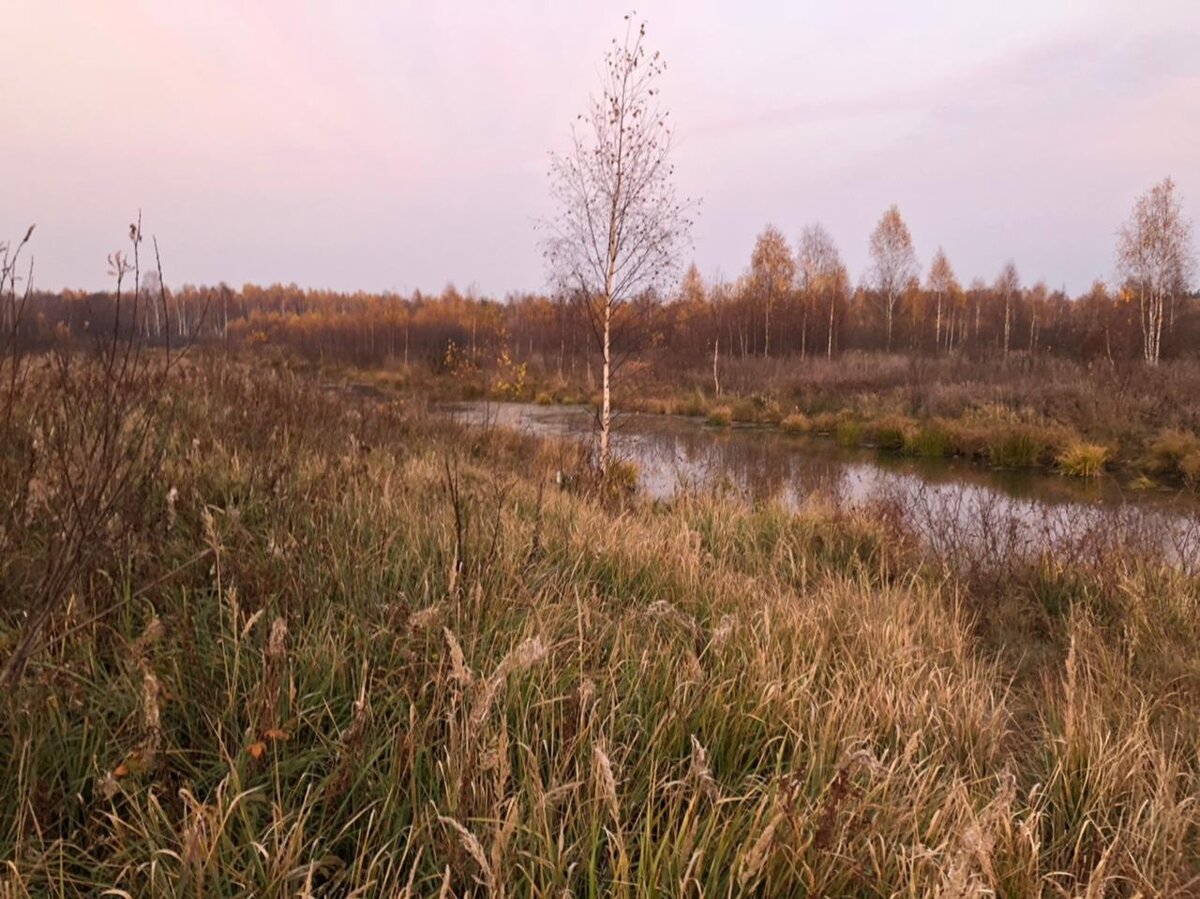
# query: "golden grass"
[796,423]
[1083,460]
[721,416]
[316,684]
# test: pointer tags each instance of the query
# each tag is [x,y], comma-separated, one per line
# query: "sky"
[396,146]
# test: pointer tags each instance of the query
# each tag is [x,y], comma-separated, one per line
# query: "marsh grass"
[1014,448]
[931,440]
[721,416]
[1083,460]
[848,432]
[984,410]
[1174,453]
[796,423]
[364,652]
[891,433]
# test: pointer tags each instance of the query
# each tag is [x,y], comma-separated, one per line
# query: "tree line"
[794,301]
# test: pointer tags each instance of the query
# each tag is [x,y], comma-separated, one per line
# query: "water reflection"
[961,510]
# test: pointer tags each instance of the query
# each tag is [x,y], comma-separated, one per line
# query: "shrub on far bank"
[849,432]
[931,441]
[694,404]
[797,423]
[721,416]
[892,432]
[1189,467]
[1014,448]
[825,422]
[1083,460]
[1175,453]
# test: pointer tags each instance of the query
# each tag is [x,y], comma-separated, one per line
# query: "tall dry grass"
[359,651]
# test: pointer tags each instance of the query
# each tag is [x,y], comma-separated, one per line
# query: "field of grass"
[346,648]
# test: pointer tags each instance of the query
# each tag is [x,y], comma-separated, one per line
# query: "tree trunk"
[890,305]
[767,331]
[1007,321]
[829,347]
[937,336]
[606,390]
[716,378]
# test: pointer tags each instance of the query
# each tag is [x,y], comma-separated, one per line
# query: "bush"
[929,441]
[1014,448]
[621,477]
[694,405]
[744,410]
[1189,467]
[891,433]
[968,439]
[651,406]
[825,423]
[720,416]
[1171,450]
[543,398]
[796,423]
[1083,460]
[849,432]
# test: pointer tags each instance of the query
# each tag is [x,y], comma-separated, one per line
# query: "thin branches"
[619,225]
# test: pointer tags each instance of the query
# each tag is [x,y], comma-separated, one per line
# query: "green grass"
[694,404]
[891,433]
[307,680]
[849,433]
[930,440]
[1015,447]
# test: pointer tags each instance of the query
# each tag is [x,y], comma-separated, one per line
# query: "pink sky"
[394,146]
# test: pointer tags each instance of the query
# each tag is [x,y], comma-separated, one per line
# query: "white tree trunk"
[937,339]
[891,304]
[606,392]
[716,378]
[1007,321]
[829,346]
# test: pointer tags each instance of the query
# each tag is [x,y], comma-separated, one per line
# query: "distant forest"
[786,304]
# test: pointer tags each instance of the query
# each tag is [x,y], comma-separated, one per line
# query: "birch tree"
[1154,254]
[893,263]
[941,285]
[1008,286]
[619,225]
[822,275]
[772,271]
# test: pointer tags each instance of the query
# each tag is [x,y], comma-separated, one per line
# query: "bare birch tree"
[941,285]
[619,225]
[1154,253]
[823,277]
[772,271]
[1008,285]
[893,263]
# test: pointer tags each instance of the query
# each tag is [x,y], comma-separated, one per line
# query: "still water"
[958,507]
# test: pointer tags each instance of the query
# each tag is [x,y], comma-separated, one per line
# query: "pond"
[957,506]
